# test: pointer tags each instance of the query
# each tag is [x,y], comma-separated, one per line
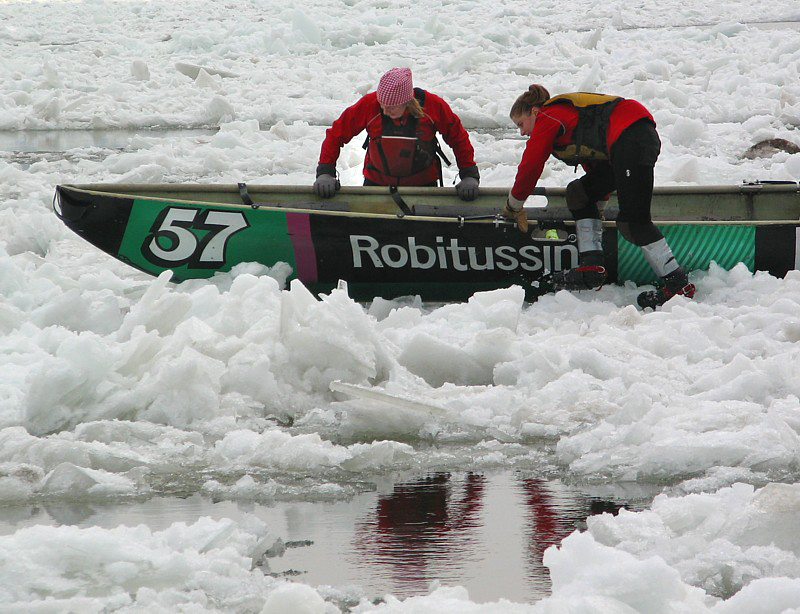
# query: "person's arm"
[537,150]
[448,124]
[352,121]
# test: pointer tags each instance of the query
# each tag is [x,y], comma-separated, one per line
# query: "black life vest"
[589,136]
[405,154]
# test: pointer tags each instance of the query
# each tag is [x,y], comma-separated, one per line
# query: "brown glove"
[518,216]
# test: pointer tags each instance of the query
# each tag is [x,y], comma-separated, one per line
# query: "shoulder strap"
[419,94]
[366,140]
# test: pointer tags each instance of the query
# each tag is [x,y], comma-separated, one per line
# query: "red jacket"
[366,115]
[554,127]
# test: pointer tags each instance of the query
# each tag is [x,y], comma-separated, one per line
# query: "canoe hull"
[442,258]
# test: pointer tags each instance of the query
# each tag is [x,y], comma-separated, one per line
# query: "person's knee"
[577,198]
[639,233]
[579,203]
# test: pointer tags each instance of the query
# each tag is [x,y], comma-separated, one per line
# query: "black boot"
[590,274]
[676,282]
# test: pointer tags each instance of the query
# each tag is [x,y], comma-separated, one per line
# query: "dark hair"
[534,97]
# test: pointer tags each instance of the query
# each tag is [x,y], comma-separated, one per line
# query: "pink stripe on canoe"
[304,255]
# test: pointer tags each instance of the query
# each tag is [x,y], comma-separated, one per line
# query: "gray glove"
[467,188]
[325,186]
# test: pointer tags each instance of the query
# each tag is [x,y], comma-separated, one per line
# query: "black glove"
[326,184]
[467,188]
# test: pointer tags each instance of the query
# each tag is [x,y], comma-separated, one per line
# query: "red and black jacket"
[402,151]
[559,132]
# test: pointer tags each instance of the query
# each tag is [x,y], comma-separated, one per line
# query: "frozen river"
[173,448]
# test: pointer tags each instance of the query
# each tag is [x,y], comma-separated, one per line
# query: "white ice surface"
[109,378]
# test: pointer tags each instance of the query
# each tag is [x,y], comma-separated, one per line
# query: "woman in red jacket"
[616,142]
[401,123]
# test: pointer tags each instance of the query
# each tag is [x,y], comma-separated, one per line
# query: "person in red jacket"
[616,142]
[402,149]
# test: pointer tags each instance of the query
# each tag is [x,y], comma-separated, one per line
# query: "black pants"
[629,173]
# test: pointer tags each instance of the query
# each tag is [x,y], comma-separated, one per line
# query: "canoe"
[417,241]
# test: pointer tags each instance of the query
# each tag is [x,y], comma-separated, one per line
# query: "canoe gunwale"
[136,188]
[728,204]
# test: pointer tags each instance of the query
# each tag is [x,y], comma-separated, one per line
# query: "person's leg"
[588,225]
[582,197]
[633,157]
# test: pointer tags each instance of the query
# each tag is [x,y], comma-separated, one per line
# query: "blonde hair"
[536,96]
[415,108]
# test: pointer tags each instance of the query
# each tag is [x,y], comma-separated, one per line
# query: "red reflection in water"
[420,523]
[550,522]
[426,528]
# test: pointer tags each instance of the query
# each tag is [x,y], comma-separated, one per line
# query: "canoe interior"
[754,201]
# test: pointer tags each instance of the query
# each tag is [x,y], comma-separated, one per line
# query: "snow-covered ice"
[116,386]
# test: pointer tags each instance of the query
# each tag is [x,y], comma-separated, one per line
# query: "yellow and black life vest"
[589,137]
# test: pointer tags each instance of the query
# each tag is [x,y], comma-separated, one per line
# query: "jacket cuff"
[514,204]
[470,171]
[326,169]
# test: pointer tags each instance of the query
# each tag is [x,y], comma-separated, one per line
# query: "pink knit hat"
[395,87]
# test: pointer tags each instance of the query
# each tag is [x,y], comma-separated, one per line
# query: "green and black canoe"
[417,241]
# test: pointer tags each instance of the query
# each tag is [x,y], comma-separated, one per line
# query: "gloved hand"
[519,217]
[467,188]
[325,186]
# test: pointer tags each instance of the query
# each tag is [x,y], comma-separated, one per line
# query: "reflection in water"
[431,528]
[487,533]
[546,527]
[419,524]
[553,513]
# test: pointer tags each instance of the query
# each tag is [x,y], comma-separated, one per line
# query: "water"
[27,147]
[59,141]
[486,532]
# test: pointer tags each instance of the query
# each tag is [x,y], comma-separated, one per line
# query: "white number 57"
[171,241]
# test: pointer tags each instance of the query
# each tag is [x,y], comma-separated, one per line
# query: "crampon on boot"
[676,283]
[590,274]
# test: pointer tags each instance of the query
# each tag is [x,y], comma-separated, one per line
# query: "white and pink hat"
[395,87]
